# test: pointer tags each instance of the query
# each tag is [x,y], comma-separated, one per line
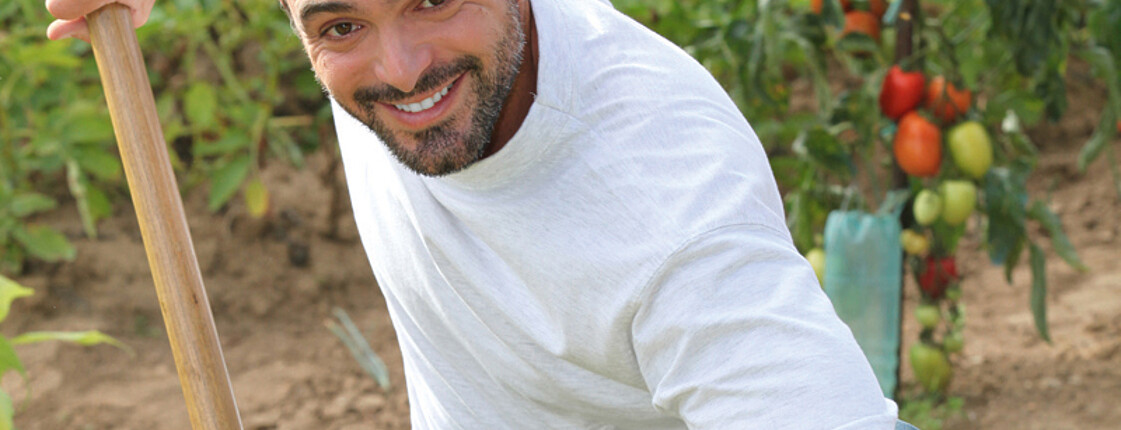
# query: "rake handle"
[163,225]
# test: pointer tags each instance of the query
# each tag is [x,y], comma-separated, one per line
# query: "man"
[572,224]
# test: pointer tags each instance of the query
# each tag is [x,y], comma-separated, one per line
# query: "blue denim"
[900,425]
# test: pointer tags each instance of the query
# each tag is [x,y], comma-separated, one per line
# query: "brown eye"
[431,3]
[339,30]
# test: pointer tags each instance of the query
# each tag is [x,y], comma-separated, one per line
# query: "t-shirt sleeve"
[733,331]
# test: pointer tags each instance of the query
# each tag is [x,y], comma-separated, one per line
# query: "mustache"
[433,78]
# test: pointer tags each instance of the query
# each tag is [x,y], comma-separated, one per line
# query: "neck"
[517,103]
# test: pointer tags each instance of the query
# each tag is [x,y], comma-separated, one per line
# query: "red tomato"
[918,146]
[901,93]
[946,101]
[939,274]
[859,21]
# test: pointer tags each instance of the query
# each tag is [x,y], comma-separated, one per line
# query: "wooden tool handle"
[159,209]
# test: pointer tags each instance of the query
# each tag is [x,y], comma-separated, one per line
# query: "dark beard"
[440,149]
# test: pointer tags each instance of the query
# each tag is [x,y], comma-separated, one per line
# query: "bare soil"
[274,282]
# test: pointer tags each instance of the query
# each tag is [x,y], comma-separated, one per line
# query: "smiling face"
[430,77]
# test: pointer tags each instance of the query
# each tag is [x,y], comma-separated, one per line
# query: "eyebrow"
[312,9]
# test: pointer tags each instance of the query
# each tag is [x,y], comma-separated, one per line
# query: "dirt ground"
[273,283]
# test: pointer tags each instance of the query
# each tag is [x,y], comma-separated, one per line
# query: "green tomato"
[958,200]
[928,315]
[927,207]
[816,257]
[971,148]
[954,342]
[932,368]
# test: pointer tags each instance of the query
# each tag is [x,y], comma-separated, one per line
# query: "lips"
[418,114]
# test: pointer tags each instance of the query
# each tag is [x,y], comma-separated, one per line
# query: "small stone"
[369,404]
[299,253]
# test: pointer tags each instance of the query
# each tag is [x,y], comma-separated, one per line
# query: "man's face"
[429,77]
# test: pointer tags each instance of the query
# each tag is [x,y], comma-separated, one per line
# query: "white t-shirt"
[622,263]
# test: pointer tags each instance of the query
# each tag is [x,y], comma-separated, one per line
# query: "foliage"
[359,348]
[930,413]
[233,87]
[9,361]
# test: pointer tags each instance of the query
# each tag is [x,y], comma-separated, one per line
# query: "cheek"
[341,73]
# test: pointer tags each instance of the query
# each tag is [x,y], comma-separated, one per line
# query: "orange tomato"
[859,21]
[877,7]
[946,101]
[918,146]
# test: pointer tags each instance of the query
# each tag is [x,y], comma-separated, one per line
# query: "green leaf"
[1107,128]
[100,163]
[28,203]
[89,126]
[6,411]
[825,149]
[1026,106]
[200,104]
[230,143]
[9,292]
[45,243]
[1040,212]
[1013,258]
[9,360]
[84,338]
[225,182]
[1039,291]
[256,198]
[100,206]
[1005,201]
[1106,69]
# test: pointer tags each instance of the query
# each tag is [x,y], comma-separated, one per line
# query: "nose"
[402,61]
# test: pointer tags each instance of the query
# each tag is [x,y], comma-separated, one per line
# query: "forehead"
[303,10]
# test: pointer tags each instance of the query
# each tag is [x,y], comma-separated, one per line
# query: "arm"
[71,21]
[733,332]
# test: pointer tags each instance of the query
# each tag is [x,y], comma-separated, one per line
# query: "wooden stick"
[904,48]
[163,225]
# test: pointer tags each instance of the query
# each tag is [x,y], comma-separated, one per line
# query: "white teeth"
[426,103]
